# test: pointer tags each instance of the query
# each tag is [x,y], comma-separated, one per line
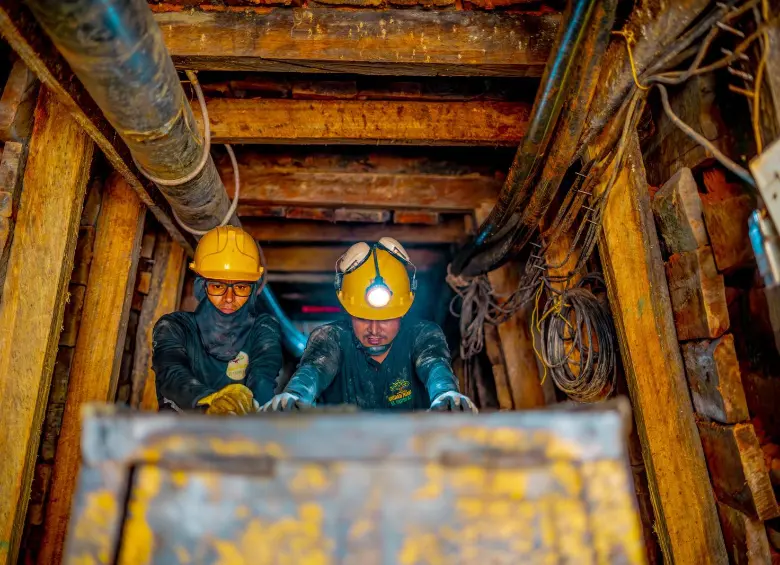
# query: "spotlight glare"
[378,296]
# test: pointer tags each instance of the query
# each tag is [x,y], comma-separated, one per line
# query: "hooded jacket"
[198,353]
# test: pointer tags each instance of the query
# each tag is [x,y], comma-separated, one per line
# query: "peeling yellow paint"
[310,479]
[138,539]
[95,527]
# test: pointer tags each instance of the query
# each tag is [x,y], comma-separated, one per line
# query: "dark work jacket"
[185,372]
[334,369]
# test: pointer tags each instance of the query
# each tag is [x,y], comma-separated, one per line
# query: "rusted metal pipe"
[116,50]
[530,155]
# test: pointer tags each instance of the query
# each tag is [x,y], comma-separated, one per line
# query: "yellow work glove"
[233,399]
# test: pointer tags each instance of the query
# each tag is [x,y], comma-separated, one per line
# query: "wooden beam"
[237,120]
[326,186]
[293,231]
[34,297]
[17,103]
[101,338]
[316,259]
[687,520]
[21,30]
[386,42]
[167,280]
[522,370]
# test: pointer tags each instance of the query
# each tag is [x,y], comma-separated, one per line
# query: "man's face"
[226,298]
[372,333]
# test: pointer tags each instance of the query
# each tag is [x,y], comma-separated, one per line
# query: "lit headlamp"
[378,293]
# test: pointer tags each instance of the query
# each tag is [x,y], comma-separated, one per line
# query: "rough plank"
[170,264]
[285,231]
[74,306]
[726,211]
[365,215]
[364,181]
[236,120]
[11,173]
[391,42]
[715,380]
[678,213]
[520,363]
[316,259]
[687,526]
[22,32]
[17,103]
[745,537]
[496,358]
[698,295]
[99,347]
[424,217]
[739,475]
[41,261]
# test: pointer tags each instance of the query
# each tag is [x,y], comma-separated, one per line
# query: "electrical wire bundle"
[577,343]
[577,340]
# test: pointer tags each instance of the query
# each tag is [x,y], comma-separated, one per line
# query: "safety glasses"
[219,288]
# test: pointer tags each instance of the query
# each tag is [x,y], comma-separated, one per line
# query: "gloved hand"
[453,402]
[232,399]
[283,402]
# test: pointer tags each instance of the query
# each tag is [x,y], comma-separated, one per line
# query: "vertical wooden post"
[99,346]
[163,298]
[522,371]
[33,303]
[687,519]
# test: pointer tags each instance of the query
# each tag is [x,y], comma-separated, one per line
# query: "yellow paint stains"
[138,538]
[94,526]
[179,479]
[182,555]
[422,549]
[298,540]
[616,530]
[572,532]
[310,479]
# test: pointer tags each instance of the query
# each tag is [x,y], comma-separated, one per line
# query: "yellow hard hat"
[372,282]
[227,253]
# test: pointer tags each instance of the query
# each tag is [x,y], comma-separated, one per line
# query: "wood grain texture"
[170,263]
[678,213]
[687,520]
[520,362]
[286,231]
[317,259]
[40,262]
[236,120]
[698,295]
[715,380]
[99,347]
[392,42]
[363,181]
[17,103]
[746,537]
[22,32]
[739,475]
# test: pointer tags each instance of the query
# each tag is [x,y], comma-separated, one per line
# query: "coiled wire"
[577,343]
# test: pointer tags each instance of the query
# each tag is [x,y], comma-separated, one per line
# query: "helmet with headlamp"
[373,282]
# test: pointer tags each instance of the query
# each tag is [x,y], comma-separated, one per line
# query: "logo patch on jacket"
[236,369]
[400,392]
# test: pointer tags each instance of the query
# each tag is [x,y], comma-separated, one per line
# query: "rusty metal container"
[503,488]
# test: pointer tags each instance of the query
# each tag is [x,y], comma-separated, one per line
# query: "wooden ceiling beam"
[360,122]
[388,42]
[322,259]
[354,186]
[295,231]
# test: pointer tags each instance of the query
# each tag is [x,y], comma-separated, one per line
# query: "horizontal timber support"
[391,42]
[294,231]
[358,122]
[317,259]
[356,186]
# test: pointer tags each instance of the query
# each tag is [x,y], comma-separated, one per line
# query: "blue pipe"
[294,340]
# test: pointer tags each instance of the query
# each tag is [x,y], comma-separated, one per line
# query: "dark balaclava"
[224,335]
